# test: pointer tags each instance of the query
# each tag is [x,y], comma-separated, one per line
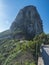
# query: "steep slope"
[28,21]
[21,52]
[26,25]
[14,52]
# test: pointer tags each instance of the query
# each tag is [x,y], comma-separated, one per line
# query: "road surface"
[45,54]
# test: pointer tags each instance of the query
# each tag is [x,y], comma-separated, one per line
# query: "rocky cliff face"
[28,21]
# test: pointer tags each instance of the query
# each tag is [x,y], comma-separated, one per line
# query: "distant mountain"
[5,34]
[28,22]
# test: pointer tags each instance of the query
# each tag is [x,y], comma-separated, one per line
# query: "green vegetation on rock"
[21,52]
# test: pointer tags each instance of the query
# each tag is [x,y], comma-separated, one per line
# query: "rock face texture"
[28,21]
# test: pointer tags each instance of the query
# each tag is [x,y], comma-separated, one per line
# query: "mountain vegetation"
[21,52]
[20,45]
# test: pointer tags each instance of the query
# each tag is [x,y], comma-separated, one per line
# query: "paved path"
[40,61]
[45,54]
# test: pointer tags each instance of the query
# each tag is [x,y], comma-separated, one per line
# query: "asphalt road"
[45,54]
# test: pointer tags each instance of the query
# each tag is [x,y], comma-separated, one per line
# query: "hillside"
[21,52]
[5,34]
[20,45]
[15,52]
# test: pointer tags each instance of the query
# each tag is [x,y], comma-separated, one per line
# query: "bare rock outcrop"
[28,21]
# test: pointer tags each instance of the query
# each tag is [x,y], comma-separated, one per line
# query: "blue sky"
[10,8]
